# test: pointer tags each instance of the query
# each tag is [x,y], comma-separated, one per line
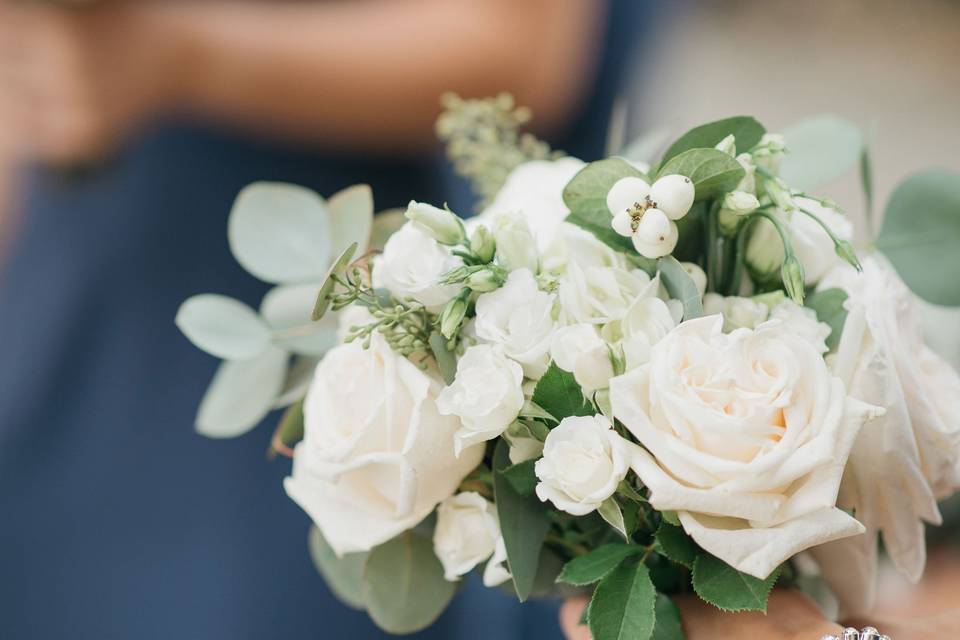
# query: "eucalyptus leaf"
[724,587]
[223,327]
[241,394]
[819,149]
[403,585]
[287,309]
[828,305]
[680,286]
[280,233]
[586,197]
[713,172]
[921,235]
[523,523]
[351,217]
[592,567]
[344,576]
[622,607]
[745,129]
[446,361]
[327,286]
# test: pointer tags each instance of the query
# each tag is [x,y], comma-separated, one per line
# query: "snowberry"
[673,195]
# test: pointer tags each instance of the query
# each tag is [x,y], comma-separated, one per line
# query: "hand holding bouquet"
[624,380]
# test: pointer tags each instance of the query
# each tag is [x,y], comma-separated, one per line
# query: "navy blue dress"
[116,519]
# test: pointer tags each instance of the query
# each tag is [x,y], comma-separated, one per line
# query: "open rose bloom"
[628,382]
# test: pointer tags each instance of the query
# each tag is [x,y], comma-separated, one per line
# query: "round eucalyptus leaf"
[280,233]
[223,327]
[819,149]
[343,575]
[287,309]
[241,394]
[921,235]
[403,585]
[351,217]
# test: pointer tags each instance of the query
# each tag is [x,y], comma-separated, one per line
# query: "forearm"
[370,74]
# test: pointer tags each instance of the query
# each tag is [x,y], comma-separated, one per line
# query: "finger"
[570,615]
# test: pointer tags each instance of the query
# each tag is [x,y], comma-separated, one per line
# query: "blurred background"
[126,129]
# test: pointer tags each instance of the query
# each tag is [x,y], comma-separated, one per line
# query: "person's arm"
[364,74]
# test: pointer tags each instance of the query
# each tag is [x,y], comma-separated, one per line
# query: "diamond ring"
[867,633]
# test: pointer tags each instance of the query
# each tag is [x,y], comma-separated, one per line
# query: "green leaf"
[866,180]
[671,517]
[328,285]
[522,477]
[280,233]
[680,286]
[713,172]
[745,129]
[610,511]
[403,585]
[241,394]
[223,327]
[343,575]
[523,522]
[558,393]
[724,587]
[290,430]
[668,620]
[674,543]
[819,149]
[921,233]
[446,361]
[828,304]
[288,309]
[586,197]
[622,607]
[592,567]
[534,411]
[351,217]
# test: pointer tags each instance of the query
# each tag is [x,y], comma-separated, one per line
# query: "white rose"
[516,247]
[746,438]
[519,318]
[648,319]
[738,313]
[373,464]
[802,322]
[535,189]
[467,533]
[598,295]
[583,462]
[902,464]
[811,244]
[571,243]
[412,265]
[580,350]
[486,395]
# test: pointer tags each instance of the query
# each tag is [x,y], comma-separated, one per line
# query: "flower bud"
[792,274]
[769,152]
[728,145]
[440,224]
[780,194]
[735,205]
[487,279]
[516,247]
[482,244]
[846,251]
[453,314]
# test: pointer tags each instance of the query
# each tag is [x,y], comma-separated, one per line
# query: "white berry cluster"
[647,214]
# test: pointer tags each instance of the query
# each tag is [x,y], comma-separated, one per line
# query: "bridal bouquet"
[621,378]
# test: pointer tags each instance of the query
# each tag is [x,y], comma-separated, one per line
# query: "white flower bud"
[440,224]
[673,195]
[516,247]
[735,205]
[656,235]
[728,145]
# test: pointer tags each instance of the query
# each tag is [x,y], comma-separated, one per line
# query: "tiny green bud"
[482,244]
[779,194]
[792,274]
[453,314]
[440,224]
[735,204]
[846,251]
[486,280]
[728,145]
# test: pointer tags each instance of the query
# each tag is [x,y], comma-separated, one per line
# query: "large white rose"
[486,395]
[747,435]
[519,318]
[467,533]
[811,244]
[376,455]
[904,462]
[412,265]
[580,350]
[535,189]
[598,295]
[584,460]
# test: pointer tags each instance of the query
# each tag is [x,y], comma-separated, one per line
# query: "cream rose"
[580,350]
[584,460]
[519,318]
[468,533]
[372,465]
[486,395]
[746,438]
[598,295]
[909,459]
[412,265]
